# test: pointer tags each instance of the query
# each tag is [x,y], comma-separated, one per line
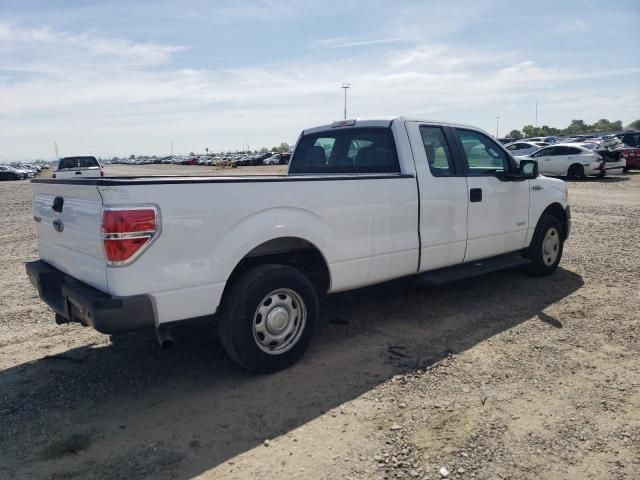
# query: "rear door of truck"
[67,216]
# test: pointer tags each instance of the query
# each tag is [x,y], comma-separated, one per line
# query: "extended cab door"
[498,212]
[443,196]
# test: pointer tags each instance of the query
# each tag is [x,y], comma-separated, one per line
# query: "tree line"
[575,128]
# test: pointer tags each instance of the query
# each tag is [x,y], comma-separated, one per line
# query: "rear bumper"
[76,301]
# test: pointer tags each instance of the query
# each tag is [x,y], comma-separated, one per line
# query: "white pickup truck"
[363,202]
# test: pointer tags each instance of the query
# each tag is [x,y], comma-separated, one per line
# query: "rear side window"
[77,162]
[437,150]
[352,150]
[632,139]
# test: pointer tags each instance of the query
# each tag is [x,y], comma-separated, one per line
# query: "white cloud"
[572,25]
[42,42]
[107,95]
[345,42]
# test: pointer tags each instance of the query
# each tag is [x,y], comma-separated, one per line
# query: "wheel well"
[294,252]
[557,211]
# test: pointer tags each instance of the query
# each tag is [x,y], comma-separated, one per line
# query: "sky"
[118,78]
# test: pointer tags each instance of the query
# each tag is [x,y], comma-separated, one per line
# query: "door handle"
[78,173]
[475,195]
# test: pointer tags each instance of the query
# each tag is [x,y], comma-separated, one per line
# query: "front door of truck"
[498,212]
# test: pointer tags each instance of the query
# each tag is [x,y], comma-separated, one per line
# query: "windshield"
[77,162]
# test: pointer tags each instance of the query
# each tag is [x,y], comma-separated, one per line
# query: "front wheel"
[546,246]
[268,317]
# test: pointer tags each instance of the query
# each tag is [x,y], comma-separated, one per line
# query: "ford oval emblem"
[58,226]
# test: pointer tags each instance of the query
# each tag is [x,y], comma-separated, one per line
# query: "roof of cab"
[381,122]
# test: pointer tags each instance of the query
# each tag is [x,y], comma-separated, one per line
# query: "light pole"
[498,126]
[345,86]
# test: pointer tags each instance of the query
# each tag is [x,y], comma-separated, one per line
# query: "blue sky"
[114,78]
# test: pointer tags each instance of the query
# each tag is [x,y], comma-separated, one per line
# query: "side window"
[483,155]
[563,151]
[437,150]
[573,151]
[545,152]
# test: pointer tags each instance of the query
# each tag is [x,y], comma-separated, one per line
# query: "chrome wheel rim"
[279,321]
[550,247]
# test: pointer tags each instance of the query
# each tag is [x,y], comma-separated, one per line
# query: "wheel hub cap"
[279,321]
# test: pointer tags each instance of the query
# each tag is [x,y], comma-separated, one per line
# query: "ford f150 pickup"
[363,202]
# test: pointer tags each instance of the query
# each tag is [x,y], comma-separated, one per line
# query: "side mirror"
[529,169]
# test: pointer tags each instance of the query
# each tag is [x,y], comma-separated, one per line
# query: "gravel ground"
[499,377]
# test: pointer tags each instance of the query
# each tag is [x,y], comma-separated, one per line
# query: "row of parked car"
[21,171]
[232,160]
[581,156]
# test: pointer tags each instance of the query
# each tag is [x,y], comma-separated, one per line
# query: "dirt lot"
[498,377]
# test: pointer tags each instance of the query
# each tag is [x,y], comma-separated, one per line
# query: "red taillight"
[126,232]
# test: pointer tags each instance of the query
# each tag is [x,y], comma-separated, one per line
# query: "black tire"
[240,317]
[544,257]
[626,169]
[575,171]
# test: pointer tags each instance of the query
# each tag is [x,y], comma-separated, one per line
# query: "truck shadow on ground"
[130,410]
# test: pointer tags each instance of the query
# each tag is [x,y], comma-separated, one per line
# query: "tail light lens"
[127,232]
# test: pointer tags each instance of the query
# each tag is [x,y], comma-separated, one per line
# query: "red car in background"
[630,151]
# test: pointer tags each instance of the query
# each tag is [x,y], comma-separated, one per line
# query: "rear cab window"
[69,163]
[346,150]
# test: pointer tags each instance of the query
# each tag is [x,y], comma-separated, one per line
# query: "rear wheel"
[575,171]
[546,246]
[268,317]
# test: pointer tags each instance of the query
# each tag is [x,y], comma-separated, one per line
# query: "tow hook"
[164,338]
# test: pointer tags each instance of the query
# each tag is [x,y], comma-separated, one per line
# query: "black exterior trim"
[173,179]
[75,301]
[459,158]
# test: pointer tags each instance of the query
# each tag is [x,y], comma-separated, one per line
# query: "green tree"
[577,126]
[530,131]
[515,134]
[635,125]
[616,126]
[284,147]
